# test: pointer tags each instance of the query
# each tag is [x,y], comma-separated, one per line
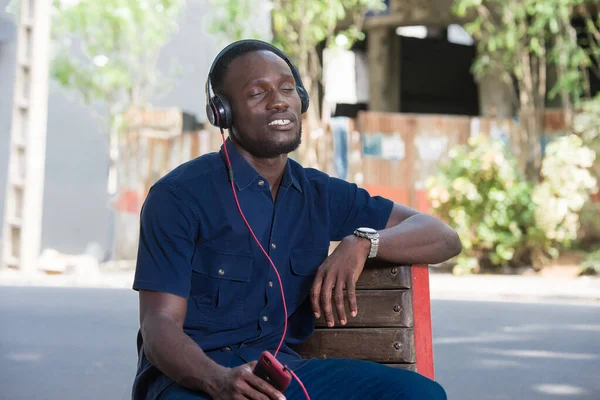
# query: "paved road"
[517,351]
[73,344]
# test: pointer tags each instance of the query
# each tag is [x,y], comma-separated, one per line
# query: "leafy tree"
[521,41]
[107,51]
[298,28]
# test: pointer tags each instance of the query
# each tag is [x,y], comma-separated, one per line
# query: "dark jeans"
[345,379]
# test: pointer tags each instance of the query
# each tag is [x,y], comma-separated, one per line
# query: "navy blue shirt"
[194,244]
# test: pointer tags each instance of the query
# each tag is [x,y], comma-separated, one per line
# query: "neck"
[270,168]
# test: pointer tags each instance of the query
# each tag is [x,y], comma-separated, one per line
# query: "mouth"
[282,122]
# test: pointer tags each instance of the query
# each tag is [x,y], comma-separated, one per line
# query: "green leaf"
[553,26]
[118,41]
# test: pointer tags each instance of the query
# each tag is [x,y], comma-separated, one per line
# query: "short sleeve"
[351,207]
[168,229]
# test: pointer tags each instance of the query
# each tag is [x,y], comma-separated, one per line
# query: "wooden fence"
[389,154]
[392,155]
[153,142]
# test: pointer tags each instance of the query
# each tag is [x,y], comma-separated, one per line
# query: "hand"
[338,272]
[241,384]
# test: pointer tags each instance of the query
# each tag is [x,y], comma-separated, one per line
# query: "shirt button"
[265,318]
[221,272]
[270,283]
[273,245]
[261,183]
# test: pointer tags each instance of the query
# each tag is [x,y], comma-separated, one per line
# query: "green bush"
[586,125]
[482,194]
[502,219]
[566,187]
[591,264]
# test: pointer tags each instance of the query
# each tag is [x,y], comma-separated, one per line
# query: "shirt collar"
[245,175]
[289,179]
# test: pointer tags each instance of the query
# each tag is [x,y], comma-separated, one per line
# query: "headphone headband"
[218,109]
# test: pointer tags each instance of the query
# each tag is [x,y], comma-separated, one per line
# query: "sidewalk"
[513,287]
[442,286]
[113,279]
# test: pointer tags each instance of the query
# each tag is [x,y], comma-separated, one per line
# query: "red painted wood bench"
[393,325]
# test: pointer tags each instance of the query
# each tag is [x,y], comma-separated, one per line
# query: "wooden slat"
[383,345]
[409,367]
[378,308]
[378,275]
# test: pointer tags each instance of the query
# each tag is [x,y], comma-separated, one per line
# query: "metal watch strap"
[374,247]
[373,238]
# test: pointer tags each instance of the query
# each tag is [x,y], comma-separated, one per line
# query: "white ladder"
[27,154]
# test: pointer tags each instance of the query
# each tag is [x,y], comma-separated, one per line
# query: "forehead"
[255,65]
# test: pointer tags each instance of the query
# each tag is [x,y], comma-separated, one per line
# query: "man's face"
[265,104]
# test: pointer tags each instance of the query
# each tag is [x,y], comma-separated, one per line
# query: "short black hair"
[217,78]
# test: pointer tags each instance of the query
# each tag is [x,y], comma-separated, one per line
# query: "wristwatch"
[373,236]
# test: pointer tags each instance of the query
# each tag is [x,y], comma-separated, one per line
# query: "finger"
[326,290]
[351,294]
[249,392]
[248,368]
[264,389]
[339,301]
[249,389]
[315,293]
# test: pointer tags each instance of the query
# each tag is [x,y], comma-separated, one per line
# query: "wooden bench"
[393,325]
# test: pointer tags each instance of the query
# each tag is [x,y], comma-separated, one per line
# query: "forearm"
[420,239]
[178,356]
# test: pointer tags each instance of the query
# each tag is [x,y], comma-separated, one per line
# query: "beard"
[265,148]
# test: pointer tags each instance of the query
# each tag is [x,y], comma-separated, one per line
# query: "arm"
[174,353]
[169,348]
[411,237]
[168,231]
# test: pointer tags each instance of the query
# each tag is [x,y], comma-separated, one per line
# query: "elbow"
[148,349]
[148,329]
[149,353]
[453,243]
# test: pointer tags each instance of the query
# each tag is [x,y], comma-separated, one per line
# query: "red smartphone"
[272,371]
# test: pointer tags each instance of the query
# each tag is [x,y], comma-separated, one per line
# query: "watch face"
[367,230]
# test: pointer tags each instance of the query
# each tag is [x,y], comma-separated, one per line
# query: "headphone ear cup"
[211,113]
[219,112]
[303,98]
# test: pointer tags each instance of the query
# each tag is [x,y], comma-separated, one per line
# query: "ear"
[219,112]
[303,98]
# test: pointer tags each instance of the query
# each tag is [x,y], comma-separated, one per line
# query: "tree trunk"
[531,116]
[311,128]
[565,96]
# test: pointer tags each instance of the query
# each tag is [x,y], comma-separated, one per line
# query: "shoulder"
[193,174]
[184,188]
[310,176]
[319,182]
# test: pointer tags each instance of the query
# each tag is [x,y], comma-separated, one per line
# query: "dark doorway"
[436,77]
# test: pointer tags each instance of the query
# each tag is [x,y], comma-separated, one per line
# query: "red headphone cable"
[237,202]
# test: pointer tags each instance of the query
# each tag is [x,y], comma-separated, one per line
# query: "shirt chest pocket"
[304,264]
[219,286]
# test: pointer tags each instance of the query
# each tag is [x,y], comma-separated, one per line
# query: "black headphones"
[218,109]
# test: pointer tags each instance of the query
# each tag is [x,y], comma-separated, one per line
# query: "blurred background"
[484,113]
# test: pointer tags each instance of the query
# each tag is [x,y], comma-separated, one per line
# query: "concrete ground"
[79,343]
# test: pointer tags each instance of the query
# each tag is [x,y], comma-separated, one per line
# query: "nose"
[278,102]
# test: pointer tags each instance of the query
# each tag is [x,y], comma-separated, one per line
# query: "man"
[210,302]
